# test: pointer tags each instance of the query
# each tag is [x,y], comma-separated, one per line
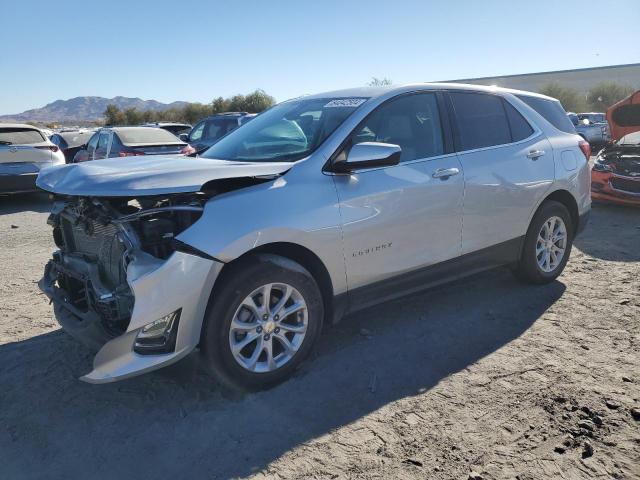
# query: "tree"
[569,97]
[605,94]
[114,116]
[133,116]
[380,82]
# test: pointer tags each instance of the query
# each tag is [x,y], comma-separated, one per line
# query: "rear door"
[508,165]
[401,218]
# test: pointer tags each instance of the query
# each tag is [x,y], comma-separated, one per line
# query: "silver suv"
[318,207]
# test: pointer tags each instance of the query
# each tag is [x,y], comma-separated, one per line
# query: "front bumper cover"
[159,287]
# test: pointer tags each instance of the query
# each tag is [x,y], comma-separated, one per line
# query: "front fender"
[297,208]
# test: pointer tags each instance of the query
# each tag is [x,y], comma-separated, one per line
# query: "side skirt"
[504,253]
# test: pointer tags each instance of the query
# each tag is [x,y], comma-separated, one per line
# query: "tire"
[529,268]
[231,302]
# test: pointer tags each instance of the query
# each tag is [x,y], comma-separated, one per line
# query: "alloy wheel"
[551,244]
[268,327]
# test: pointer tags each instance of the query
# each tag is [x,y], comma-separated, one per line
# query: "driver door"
[400,219]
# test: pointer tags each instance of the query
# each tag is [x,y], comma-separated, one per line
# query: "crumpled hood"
[151,175]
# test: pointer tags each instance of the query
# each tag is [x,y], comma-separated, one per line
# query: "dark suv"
[208,131]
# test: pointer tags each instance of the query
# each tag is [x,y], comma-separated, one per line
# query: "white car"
[24,151]
[317,207]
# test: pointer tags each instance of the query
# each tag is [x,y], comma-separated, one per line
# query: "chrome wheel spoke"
[296,307]
[237,347]
[289,349]
[293,328]
[285,298]
[266,297]
[251,362]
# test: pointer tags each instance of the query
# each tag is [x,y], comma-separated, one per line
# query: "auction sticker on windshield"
[346,102]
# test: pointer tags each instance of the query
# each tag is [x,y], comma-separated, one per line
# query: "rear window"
[145,135]
[20,136]
[520,128]
[75,139]
[551,111]
[482,121]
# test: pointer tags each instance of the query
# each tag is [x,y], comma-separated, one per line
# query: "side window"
[92,143]
[411,121]
[103,140]
[196,133]
[481,119]
[520,128]
[552,112]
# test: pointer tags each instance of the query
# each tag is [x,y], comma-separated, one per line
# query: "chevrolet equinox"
[318,207]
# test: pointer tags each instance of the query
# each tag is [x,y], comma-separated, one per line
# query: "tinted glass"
[103,140]
[93,141]
[520,128]
[412,122]
[287,132]
[75,139]
[196,133]
[482,121]
[146,135]
[219,127]
[551,111]
[20,136]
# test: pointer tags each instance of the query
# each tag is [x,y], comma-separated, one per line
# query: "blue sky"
[198,50]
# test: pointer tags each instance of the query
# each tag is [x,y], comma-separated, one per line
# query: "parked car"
[318,207]
[208,131]
[615,176]
[70,142]
[129,142]
[24,151]
[593,117]
[594,133]
[176,128]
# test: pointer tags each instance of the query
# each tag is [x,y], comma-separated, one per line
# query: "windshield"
[287,132]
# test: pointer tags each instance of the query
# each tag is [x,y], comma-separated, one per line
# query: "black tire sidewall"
[245,278]
[529,268]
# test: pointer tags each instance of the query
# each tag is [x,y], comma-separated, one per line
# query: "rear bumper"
[603,190]
[183,282]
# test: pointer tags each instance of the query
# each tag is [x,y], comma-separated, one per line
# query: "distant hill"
[81,109]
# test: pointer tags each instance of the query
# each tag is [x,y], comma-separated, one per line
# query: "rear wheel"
[263,323]
[547,245]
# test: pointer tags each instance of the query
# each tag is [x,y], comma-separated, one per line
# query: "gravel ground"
[484,377]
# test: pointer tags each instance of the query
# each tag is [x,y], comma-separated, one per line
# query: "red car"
[615,176]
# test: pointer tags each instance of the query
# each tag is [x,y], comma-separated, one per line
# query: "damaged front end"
[122,284]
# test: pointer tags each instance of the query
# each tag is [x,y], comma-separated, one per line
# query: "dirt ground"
[486,376]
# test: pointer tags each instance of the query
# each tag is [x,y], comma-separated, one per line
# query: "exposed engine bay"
[98,238]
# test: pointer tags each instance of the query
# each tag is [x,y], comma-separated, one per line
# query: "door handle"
[445,173]
[535,154]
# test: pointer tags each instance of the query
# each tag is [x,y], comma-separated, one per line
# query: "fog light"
[158,336]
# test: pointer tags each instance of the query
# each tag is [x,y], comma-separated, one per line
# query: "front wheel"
[547,245]
[263,322]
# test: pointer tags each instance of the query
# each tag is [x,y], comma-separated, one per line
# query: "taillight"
[586,149]
[53,148]
[129,153]
[188,150]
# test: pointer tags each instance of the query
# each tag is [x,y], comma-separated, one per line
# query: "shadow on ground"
[176,422]
[24,202]
[604,237]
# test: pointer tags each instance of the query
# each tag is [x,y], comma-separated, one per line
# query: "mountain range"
[85,109]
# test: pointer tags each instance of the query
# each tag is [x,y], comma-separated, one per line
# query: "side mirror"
[369,155]
[184,137]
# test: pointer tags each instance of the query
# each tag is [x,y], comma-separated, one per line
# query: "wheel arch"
[566,198]
[292,251]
